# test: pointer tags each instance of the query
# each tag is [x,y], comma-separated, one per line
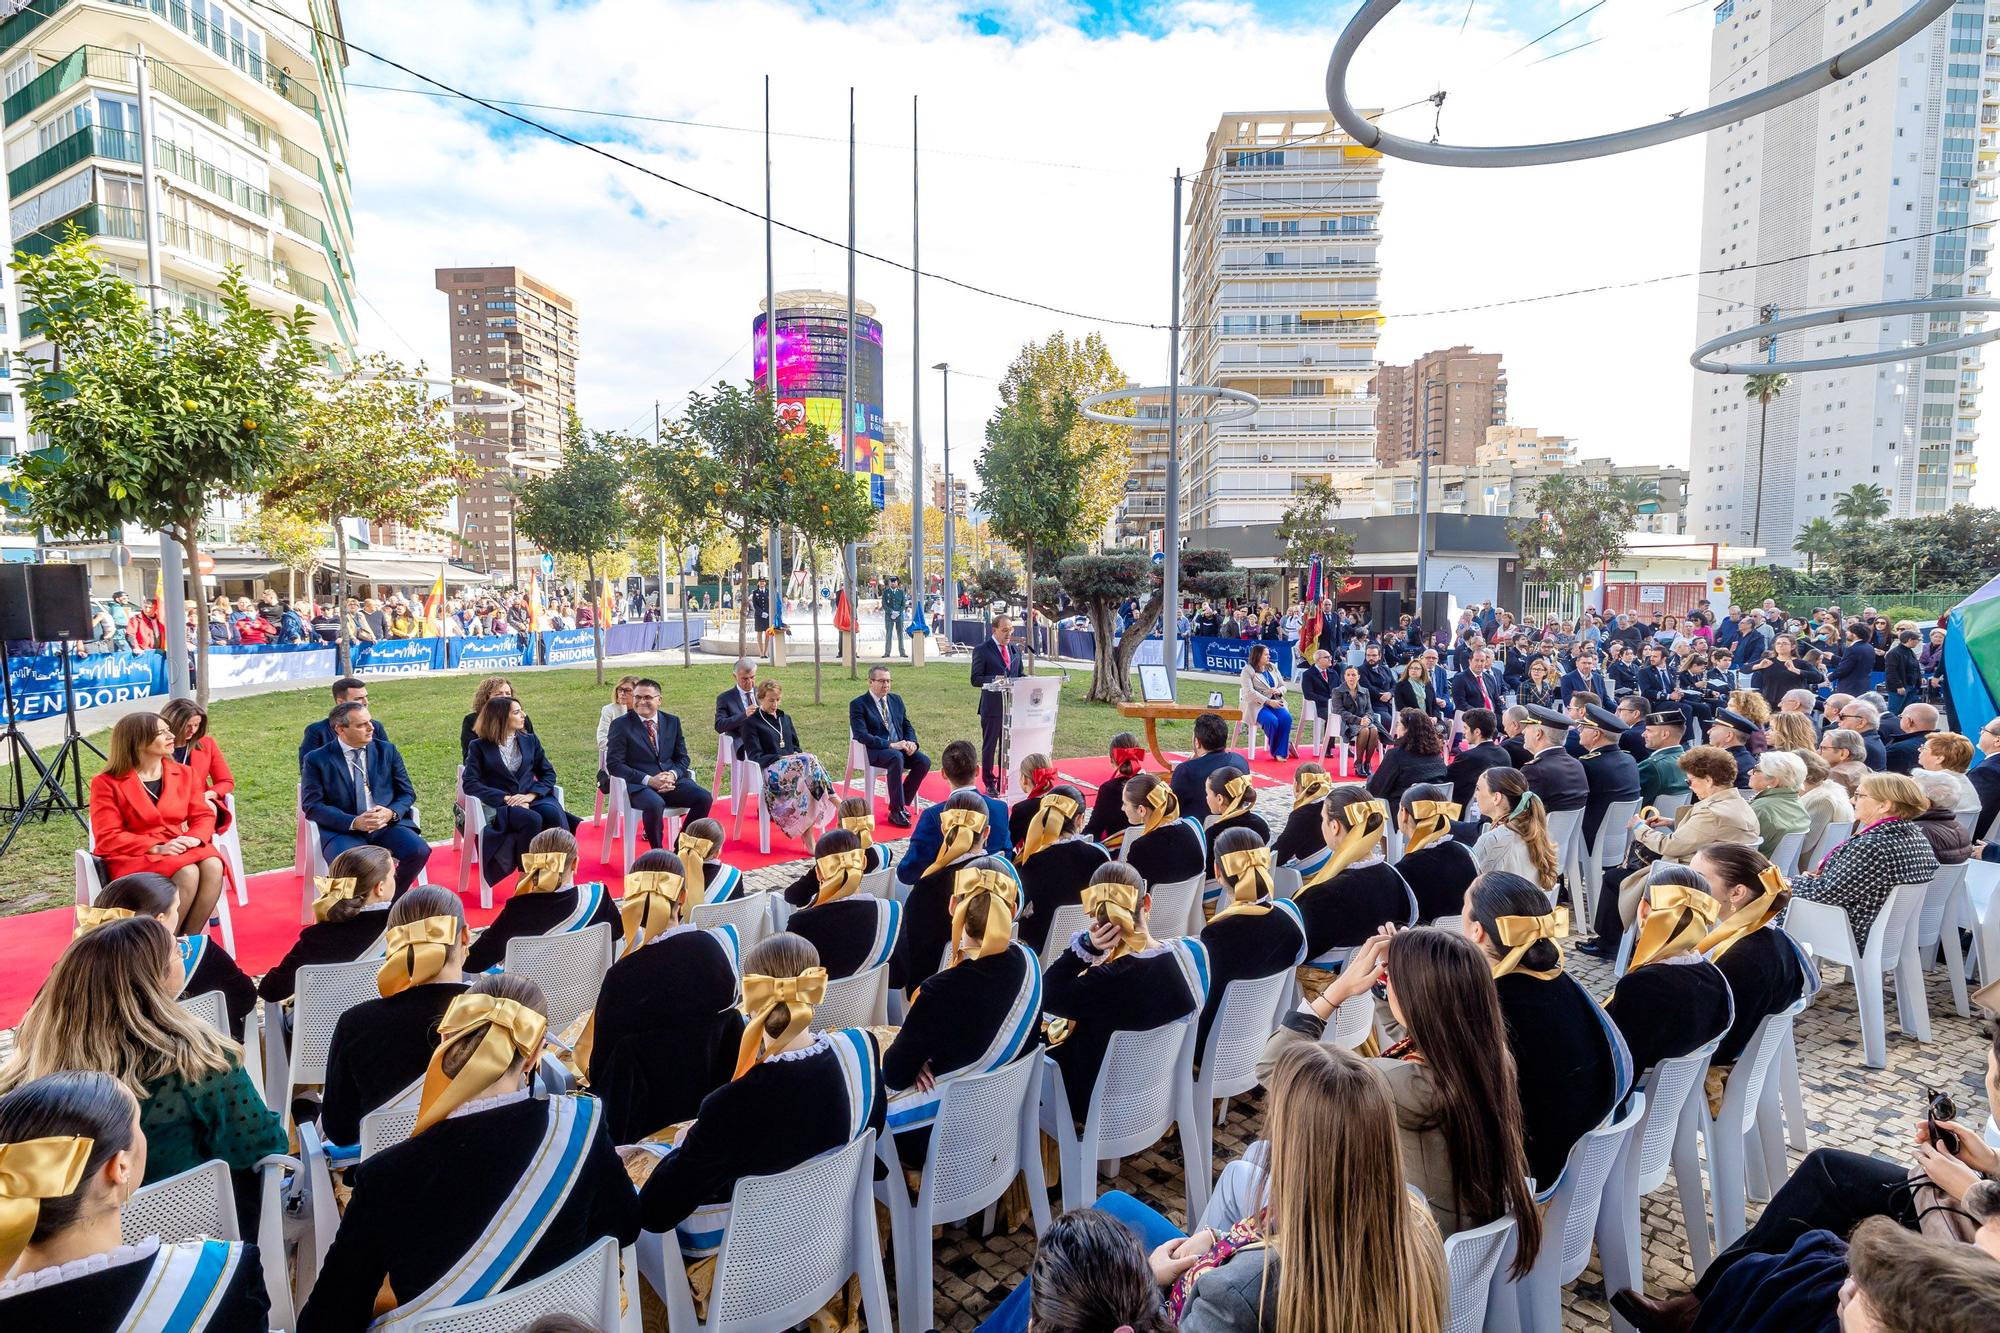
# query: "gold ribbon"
[1311,787]
[1248,875]
[963,830]
[416,951]
[1678,920]
[542,872]
[1519,933]
[1752,917]
[862,827]
[839,874]
[1241,796]
[652,904]
[694,851]
[1366,822]
[1162,807]
[1117,902]
[1431,823]
[971,884]
[331,891]
[512,1030]
[89,919]
[761,995]
[1051,820]
[30,1171]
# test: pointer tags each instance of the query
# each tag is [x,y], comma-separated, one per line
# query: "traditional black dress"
[1051,878]
[195,1286]
[1107,812]
[1173,852]
[926,931]
[208,967]
[1571,1063]
[1247,945]
[324,943]
[1301,835]
[1249,819]
[1348,909]
[973,1017]
[1766,975]
[1439,875]
[1670,1008]
[527,914]
[1132,993]
[665,1029]
[801,891]
[852,934]
[379,1048]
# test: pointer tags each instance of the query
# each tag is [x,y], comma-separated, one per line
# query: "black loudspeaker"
[1384,607]
[59,600]
[16,624]
[1437,609]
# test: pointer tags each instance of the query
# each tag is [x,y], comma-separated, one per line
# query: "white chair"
[857,762]
[1786,854]
[861,1000]
[1471,1257]
[211,1008]
[1569,1219]
[793,1241]
[569,967]
[1892,946]
[1351,1023]
[588,1286]
[1566,832]
[1968,819]
[1664,1137]
[384,1127]
[749,912]
[1982,887]
[1668,804]
[623,824]
[1947,909]
[1142,1088]
[201,1202]
[1285,881]
[230,843]
[986,1133]
[1176,908]
[1836,833]
[1243,1023]
[1729,1136]
[1614,840]
[728,766]
[1063,925]
[880,884]
[472,831]
[89,883]
[321,993]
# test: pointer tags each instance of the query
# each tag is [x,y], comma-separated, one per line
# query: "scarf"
[1366,822]
[331,891]
[761,997]
[1162,807]
[694,851]
[1752,917]
[1678,920]
[416,952]
[1127,760]
[1431,823]
[511,1031]
[30,1171]
[1051,821]
[1112,901]
[652,905]
[1519,933]
[963,830]
[971,884]
[89,919]
[1248,876]
[542,872]
[1241,796]
[1311,787]
[839,874]
[1042,781]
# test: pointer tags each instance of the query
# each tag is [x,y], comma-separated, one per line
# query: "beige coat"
[1723,816]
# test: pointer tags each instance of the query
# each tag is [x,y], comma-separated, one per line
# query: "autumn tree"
[1307,529]
[1100,584]
[829,508]
[1058,370]
[291,541]
[1205,574]
[1577,527]
[580,510]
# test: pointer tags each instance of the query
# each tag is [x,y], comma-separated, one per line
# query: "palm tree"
[1635,491]
[1763,388]
[1816,539]
[1863,504]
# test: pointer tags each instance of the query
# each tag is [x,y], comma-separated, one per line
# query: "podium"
[1027,724]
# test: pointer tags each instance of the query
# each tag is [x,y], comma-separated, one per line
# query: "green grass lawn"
[260,738]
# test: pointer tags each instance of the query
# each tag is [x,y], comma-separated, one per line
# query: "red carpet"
[266,927]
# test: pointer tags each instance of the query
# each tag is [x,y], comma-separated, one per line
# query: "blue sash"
[589,897]
[192,948]
[888,924]
[1308,866]
[183,1288]
[1016,1032]
[1132,837]
[722,887]
[1192,955]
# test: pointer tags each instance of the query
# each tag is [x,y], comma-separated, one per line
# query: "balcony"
[125,224]
[88,142]
[93,62]
[174,158]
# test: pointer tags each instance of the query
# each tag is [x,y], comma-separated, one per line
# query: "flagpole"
[848,394]
[776,561]
[919,631]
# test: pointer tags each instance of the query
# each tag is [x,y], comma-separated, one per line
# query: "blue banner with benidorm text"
[398,657]
[562,647]
[1232,655]
[487,651]
[98,678]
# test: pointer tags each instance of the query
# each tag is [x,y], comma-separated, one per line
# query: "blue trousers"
[1153,1231]
[399,840]
[1277,725]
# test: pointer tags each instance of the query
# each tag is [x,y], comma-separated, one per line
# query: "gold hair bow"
[89,919]
[653,904]
[30,1171]
[331,891]
[1112,901]
[862,827]
[542,872]
[1432,823]
[1518,934]
[416,951]
[1248,875]
[970,885]
[963,830]
[1162,807]
[1366,822]
[1241,796]
[839,874]
[694,851]
[513,1031]
[1051,820]
[761,996]
[1312,787]
[1677,920]
[1752,917]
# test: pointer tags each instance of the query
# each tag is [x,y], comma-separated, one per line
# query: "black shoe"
[1598,948]
[900,818]
[1668,1314]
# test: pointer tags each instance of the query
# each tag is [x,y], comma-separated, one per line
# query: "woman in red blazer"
[194,747]
[146,814]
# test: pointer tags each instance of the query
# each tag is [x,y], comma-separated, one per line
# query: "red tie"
[1484,697]
[1006,664]
[653,734]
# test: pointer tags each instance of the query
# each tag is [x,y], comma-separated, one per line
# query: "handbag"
[1939,1216]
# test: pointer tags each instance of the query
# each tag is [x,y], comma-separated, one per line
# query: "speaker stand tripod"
[49,796]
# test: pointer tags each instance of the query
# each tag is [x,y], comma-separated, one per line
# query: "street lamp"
[950,581]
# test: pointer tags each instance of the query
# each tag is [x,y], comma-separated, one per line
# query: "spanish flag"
[434,606]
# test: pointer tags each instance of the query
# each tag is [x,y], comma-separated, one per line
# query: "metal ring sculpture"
[1246,404]
[1811,79]
[1880,310]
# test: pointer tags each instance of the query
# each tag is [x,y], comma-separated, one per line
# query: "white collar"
[491,1101]
[817,1045]
[23,1283]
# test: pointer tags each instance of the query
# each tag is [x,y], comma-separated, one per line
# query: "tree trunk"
[743,592]
[291,585]
[190,543]
[812,573]
[596,613]
[1106,684]
[1137,633]
[1028,597]
[343,643]
[687,659]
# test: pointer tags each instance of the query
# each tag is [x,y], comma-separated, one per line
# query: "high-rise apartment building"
[1883,184]
[1455,395]
[1143,509]
[511,329]
[1283,300]
[1523,445]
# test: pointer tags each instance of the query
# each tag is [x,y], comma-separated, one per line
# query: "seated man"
[646,751]
[1317,684]
[1919,721]
[319,735]
[358,792]
[879,721]
[734,705]
[1211,751]
[960,766]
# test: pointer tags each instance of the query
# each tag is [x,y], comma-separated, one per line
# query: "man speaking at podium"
[992,660]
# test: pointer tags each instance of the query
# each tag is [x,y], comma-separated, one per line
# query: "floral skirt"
[798,794]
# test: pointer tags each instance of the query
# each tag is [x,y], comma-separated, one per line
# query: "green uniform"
[1660,774]
[894,602]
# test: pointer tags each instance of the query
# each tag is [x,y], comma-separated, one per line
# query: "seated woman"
[204,965]
[1671,1000]
[350,919]
[1437,867]
[1775,784]
[380,1047]
[1349,891]
[1516,837]
[1054,863]
[1255,934]
[977,1014]
[1452,1079]
[1717,814]
[1232,801]
[532,1183]
[621,704]
[146,816]
[795,788]
[1300,835]
[1108,820]
[708,880]
[108,1006]
[74,1151]
[1416,756]
[664,1032]
[1168,846]
[795,1094]
[1089,1274]
[1950,842]
[197,750]
[1263,698]
[1569,1059]
[1352,705]
[1116,977]
[1886,851]
[546,901]
[1541,687]
[851,932]
[1951,754]
[926,932]
[1038,779]
[489,689]
[1826,802]
[508,772]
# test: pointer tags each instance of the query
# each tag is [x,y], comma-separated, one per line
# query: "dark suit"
[1463,772]
[1465,687]
[1633,741]
[905,772]
[1378,680]
[1878,751]
[991,662]
[731,712]
[1985,776]
[1596,683]
[1557,777]
[1613,776]
[1853,672]
[510,828]
[327,795]
[1316,687]
[1190,778]
[1902,752]
[631,758]
[319,735]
